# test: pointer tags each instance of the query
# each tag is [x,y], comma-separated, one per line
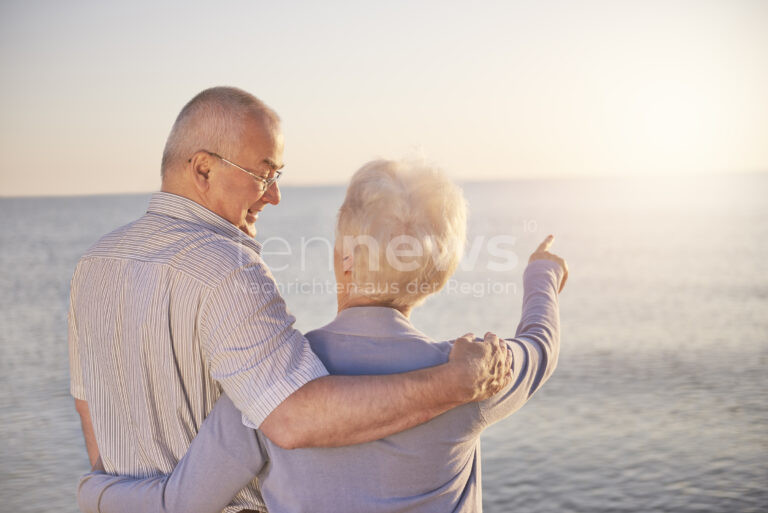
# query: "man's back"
[133,296]
[155,327]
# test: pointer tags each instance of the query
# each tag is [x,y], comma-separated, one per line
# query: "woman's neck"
[344,303]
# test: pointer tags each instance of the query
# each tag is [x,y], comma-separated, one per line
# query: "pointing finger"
[544,246]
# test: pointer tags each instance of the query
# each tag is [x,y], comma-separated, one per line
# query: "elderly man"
[170,310]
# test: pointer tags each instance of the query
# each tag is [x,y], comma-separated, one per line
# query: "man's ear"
[199,167]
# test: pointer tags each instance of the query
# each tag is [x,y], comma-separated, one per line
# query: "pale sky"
[487,90]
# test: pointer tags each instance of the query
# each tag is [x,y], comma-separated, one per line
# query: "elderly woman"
[399,237]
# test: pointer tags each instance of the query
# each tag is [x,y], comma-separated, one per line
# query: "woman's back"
[432,467]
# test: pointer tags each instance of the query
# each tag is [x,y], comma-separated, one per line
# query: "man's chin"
[248,228]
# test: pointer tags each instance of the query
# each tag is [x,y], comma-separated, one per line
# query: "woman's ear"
[347,262]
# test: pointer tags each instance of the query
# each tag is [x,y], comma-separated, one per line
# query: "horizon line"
[548,178]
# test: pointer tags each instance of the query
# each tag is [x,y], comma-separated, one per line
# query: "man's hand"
[88,432]
[542,253]
[483,368]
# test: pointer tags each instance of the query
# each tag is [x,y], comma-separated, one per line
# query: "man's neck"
[170,186]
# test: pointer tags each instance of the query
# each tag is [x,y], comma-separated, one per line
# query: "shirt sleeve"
[248,341]
[76,386]
[536,345]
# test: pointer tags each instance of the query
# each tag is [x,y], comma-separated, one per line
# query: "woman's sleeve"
[536,345]
[222,459]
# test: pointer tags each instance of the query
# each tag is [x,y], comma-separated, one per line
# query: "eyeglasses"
[264,182]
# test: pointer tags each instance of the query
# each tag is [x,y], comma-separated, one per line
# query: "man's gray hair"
[403,224]
[214,120]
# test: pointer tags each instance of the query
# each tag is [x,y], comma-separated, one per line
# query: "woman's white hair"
[402,230]
[214,120]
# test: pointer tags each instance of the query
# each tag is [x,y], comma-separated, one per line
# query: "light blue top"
[434,467]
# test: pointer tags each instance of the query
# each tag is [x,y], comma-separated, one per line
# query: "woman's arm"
[536,345]
[222,459]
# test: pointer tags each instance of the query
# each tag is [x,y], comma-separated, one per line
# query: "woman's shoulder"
[359,354]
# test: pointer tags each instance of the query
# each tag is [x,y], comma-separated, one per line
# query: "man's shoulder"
[107,241]
[186,247]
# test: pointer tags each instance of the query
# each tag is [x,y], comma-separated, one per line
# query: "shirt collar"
[374,322]
[179,207]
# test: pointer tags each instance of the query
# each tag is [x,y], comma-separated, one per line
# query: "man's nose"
[272,194]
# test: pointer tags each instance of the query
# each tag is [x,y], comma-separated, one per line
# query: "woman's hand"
[542,253]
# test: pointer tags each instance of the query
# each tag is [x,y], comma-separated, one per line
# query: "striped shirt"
[165,313]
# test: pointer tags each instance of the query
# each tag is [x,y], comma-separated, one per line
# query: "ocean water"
[660,399]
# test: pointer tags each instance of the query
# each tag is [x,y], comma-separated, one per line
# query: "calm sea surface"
[660,400]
